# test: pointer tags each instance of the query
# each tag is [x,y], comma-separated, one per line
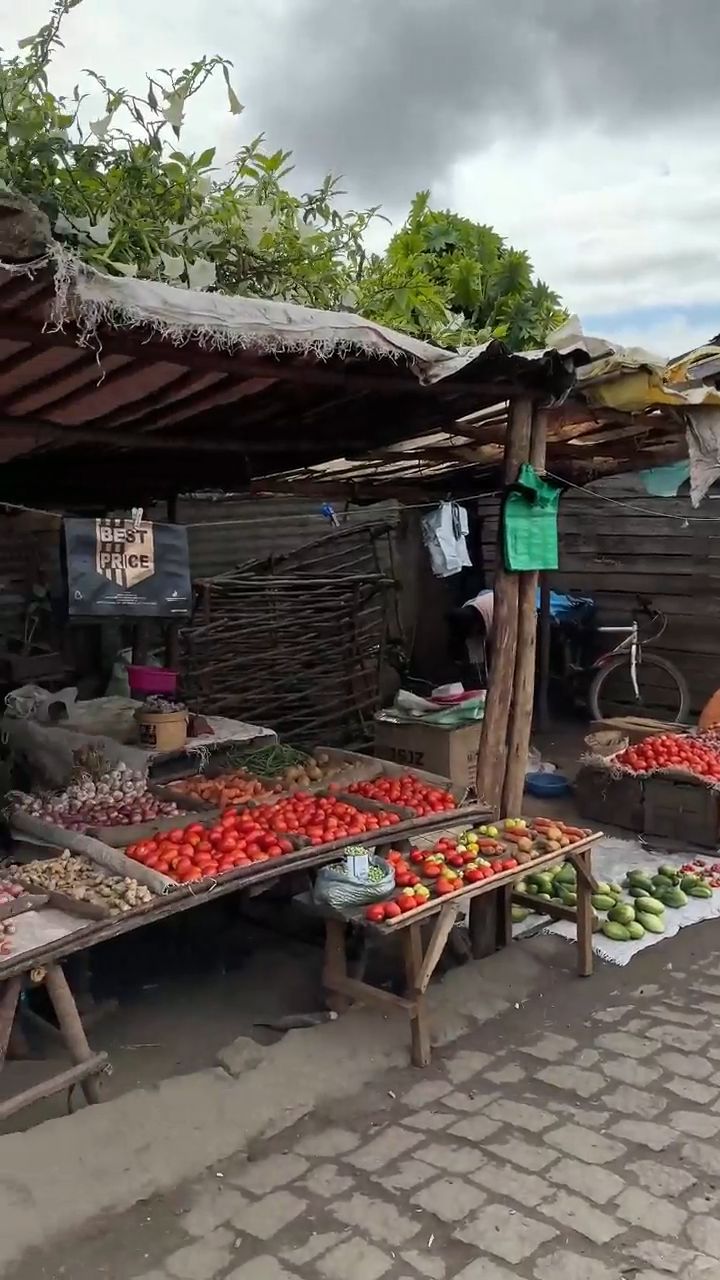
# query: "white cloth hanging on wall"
[444,533]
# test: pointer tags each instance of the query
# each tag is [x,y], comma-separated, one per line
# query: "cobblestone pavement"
[580,1144]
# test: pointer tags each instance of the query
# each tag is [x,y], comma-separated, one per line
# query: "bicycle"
[628,657]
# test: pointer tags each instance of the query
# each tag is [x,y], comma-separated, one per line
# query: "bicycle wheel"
[664,694]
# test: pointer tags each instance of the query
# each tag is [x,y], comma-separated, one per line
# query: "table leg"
[483,924]
[584,921]
[335,967]
[419,1025]
[71,1026]
[504,916]
[9,996]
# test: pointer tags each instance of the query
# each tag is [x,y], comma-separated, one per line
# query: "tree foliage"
[121,190]
[457,282]
[123,193]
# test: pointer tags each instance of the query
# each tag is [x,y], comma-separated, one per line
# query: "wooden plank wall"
[654,547]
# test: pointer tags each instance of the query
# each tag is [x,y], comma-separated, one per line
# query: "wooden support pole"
[492,753]
[172,641]
[520,719]
[420,1048]
[543,707]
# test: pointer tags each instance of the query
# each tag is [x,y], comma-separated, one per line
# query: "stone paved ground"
[577,1140]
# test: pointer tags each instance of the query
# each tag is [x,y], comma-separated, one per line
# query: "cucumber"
[617,932]
[690,881]
[603,901]
[623,913]
[635,930]
[638,877]
[675,898]
[616,889]
[650,923]
[603,889]
[543,882]
[566,875]
[640,881]
[701,891]
[649,906]
[637,891]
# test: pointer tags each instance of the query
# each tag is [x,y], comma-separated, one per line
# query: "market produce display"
[697,755]
[229,788]
[119,797]
[244,837]
[78,878]
[287,768]
[475,856]
[408,791]
[632,909]
[162,706]
[9,892]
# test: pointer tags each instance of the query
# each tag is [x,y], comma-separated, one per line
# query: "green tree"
[121,191]
[456,282]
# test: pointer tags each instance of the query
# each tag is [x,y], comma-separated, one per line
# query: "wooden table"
[421,959]
[43,965]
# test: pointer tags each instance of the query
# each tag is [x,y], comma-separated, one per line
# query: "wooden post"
[543,709]
[172,640]
[492,753]
[520,721]
[335,966]
[419,1029]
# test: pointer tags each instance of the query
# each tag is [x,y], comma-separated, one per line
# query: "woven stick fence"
[295,642]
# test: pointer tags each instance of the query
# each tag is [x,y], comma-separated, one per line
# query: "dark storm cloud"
[392,91]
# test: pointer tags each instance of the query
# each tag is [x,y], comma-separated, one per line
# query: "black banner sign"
[120,568]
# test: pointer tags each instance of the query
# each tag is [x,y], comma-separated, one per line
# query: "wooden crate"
[682,809]
[635,728]
[610,800]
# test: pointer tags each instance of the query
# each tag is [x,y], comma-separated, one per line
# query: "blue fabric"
[664,482]
[562,606]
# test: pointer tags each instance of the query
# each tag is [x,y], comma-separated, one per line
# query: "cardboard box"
[682,810]
[609,800]
[451,753]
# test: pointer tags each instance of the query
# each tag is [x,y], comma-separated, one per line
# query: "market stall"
[161,420]
[91,884]
[431,898]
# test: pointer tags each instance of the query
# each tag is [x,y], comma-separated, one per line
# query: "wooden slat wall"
[615,553]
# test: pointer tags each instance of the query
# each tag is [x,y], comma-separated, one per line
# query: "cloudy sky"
[585,131]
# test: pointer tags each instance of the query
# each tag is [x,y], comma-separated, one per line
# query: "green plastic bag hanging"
[530,532]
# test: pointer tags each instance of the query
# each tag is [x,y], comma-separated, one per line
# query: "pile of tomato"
[434,873]
[672,751]
[246,836]
[408,791]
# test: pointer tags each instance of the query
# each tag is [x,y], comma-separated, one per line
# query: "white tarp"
[90,299]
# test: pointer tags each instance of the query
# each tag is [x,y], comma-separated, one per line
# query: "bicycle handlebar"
[647,607]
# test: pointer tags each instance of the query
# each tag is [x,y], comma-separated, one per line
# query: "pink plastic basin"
[152,680]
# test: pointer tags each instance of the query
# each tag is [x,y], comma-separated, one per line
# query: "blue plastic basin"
[547,784]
